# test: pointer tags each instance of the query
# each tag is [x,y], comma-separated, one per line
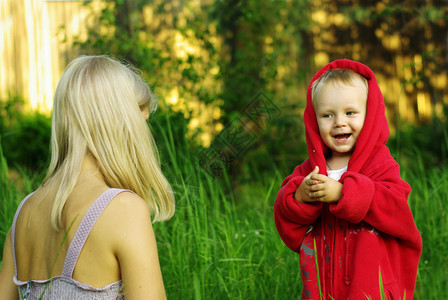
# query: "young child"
[346,204]
[83,234]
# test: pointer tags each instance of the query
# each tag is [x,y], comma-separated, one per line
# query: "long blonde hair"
[97,111]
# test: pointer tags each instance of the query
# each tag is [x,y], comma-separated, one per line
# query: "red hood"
[374,133]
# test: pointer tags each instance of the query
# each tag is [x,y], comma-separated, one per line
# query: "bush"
[428,141]
[25,136]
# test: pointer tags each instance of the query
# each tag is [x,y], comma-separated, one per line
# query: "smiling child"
[347,204]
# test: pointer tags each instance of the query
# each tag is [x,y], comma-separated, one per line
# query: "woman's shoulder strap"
[85,227]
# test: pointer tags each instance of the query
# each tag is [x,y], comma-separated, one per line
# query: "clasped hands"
[317,187]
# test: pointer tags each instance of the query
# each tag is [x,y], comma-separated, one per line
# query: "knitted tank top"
[64,286]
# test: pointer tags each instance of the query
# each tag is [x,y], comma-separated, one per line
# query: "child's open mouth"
[342,137]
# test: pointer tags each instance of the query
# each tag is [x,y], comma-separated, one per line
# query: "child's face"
[340,112]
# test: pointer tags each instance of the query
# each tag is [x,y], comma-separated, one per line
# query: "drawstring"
[322,253]
[347,275]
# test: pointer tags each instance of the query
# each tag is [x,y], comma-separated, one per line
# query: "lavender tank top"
[64,286]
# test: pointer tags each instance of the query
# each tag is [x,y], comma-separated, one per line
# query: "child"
[83,234]
[347,203]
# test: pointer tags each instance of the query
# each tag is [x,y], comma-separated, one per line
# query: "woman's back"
[118,256]
[42,249]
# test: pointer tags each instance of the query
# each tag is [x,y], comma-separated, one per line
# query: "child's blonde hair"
[345,76]
[97,111]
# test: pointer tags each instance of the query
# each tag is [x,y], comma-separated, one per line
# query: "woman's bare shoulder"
[127,218]
[128,204]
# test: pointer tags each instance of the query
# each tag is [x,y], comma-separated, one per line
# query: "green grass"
[222,242]
[10,197]
[429,204]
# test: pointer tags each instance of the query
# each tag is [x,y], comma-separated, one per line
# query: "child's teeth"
[342,136]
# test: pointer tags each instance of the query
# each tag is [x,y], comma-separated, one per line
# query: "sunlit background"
[208,59]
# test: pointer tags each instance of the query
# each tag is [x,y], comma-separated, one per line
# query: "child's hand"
[303,192]
[325,190]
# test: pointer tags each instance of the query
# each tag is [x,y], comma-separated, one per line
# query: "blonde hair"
[97,111]
[345,76]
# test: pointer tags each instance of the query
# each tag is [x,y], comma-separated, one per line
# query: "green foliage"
[429,202]
[122,37]
[215,247]
[380,279]
[254,47]
[238,49]
[317,272]
[280,144]
[424,14]
[10,197]
[25,136]
[151,44]
[428,141]
[231,49]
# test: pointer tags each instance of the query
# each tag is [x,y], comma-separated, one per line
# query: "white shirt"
[336,174]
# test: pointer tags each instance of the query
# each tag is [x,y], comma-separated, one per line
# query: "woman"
[87,231]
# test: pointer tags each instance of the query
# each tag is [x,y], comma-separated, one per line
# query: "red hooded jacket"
[371,228]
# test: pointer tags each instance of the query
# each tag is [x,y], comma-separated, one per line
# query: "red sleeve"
[379,199]
[293,218]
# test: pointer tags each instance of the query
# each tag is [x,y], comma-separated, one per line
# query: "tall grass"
[222,242]
[10,197]
[213,218]
[429,204]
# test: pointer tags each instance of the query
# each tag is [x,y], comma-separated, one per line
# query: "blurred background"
[207,60]
[231,78]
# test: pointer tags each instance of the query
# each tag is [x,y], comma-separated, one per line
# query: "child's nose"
[340,121]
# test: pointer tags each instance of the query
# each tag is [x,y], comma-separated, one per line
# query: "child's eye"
[326,115]
[350,113]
